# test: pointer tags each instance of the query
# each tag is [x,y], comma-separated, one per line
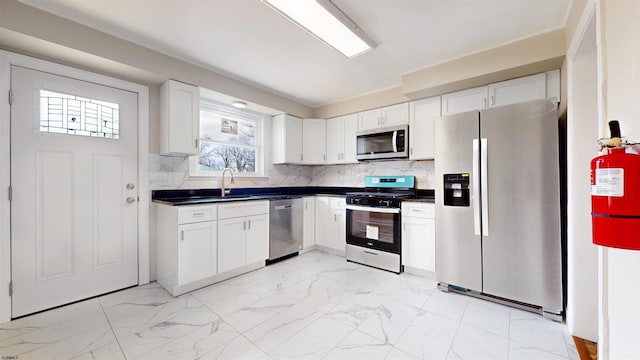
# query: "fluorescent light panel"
[326,22]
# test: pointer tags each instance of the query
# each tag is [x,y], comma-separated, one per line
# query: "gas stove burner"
[384,191]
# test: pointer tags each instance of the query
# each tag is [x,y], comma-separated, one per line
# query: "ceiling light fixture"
[326,22]
[239,104]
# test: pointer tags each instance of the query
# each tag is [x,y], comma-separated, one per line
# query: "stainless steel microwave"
[383,143]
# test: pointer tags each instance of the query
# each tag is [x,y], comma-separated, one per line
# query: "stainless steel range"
[373,221]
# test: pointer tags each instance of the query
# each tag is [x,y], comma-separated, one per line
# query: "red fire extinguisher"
[615,194]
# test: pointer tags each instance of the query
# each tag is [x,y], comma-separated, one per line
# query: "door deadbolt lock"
[131,200]
[130,186]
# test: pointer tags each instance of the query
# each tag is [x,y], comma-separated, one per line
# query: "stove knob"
[386,203]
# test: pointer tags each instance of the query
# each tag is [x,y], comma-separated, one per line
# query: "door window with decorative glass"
[229,139]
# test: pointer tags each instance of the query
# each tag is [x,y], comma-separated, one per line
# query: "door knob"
[131,200]
[130,186]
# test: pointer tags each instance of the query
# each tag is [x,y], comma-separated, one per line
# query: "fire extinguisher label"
[608,182]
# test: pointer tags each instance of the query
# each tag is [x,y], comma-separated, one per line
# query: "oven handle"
[374,209]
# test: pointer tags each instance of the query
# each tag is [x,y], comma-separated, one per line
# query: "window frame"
[227,110]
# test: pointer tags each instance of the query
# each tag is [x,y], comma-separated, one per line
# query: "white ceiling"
[247,40]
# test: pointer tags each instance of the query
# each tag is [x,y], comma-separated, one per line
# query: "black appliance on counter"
[374,220]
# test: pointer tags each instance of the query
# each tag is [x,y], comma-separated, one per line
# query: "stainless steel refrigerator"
[498,204]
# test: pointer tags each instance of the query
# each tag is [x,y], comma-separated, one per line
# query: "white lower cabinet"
[197,251]
[198,245]
[257,248]
[308,222]
[243,234]
[186,246]
[231,233]
[331,223]
[418,237]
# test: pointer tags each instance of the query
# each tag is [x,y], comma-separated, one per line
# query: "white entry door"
[74,190]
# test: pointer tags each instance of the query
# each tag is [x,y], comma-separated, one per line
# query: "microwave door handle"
[394,139]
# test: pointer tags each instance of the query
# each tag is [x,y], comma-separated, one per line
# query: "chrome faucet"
[226,191]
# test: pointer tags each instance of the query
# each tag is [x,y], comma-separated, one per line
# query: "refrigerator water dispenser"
[456,189]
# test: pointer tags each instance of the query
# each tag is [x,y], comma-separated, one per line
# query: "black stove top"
[384,191]
[383,195]
[379,199]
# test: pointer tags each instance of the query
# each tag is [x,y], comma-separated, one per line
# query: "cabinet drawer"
[197,213]
[417,209]
[243,208]
[338,203]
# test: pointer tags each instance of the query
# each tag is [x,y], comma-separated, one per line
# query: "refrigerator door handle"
[475,181]
[484,180]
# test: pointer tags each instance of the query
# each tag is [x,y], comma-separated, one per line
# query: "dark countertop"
[210,196]
[426,199]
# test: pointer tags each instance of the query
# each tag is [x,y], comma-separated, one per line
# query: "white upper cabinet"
[341,139]
[349,128]
[335,140]
[383,117]
[395,115]
[422,114]
[179,118]
[518,90]
[465,100]
[286,139]
[527,88]
[314,147]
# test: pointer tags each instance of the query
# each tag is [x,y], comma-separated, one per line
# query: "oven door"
[375,228]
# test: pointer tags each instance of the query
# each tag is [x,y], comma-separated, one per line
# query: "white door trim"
[6,60]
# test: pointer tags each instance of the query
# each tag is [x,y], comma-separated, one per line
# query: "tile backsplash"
[173,173]
[352,175]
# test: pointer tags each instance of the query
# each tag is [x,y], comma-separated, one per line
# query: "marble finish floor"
[314,306]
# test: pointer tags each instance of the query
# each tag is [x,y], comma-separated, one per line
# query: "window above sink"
[228,138]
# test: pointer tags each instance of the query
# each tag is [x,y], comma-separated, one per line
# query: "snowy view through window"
[227,141]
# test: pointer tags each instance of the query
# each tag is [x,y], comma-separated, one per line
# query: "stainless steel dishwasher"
[285,227]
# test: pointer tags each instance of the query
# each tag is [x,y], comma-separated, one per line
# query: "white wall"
[582,132]
[619,90]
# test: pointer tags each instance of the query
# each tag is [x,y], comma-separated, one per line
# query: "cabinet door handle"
[492,100]
[198,214]
[484,103]
[335,217]
[182,235]
[300,157]
[249,224]
[244,225]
